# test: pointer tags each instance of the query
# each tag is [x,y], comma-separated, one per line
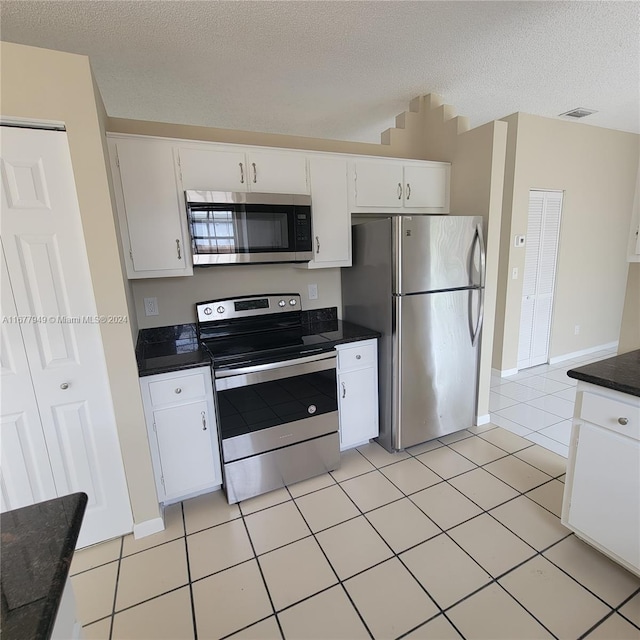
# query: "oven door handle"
[245,376]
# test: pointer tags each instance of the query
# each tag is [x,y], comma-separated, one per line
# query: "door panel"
[437,252]
[425,187]
[25,472]
[50,279]
[437,367]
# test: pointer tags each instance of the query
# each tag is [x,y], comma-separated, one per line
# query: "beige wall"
[595,168]
[476,189]
[40,84]
[177,296]
[630,327]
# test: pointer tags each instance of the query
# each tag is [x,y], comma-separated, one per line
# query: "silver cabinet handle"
[178,249]
[344,390]
[64,386]
[408,190]
[241,173]
[623,421]
[358,356]
[178,390]
[255,172]
[399,191]
[317,244]
[204,421]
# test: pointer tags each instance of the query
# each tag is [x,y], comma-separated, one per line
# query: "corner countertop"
[620,373]
[37,546]
[175,348]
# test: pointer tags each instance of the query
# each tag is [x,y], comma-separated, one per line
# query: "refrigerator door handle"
[483,263]
[478,241]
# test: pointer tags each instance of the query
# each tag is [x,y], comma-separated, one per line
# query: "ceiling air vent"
[580,112]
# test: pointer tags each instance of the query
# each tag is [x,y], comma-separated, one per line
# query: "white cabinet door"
[151,209]
[357,378]
[605,496]
[49,273]
[379,184]
[358,411]
[184,443]
[25,471]
[330,211]
[426,186]
[278,172]
[213,170]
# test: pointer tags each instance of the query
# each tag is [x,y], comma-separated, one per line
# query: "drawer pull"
[623,421]
[204,421]
[64,386]
[358,357]
[178,390]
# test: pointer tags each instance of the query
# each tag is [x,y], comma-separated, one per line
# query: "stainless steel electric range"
[275,390]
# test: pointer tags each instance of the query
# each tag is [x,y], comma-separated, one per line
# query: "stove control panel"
[247,307]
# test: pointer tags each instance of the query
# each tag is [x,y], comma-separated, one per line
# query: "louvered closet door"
[543,232]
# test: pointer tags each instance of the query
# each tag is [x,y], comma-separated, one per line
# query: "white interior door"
[25,471]
[538,282]
[49,274]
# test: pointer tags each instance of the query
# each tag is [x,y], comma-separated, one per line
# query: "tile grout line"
[186,551]
[115,593]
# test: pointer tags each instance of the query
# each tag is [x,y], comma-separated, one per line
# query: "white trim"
[148,527]
[504,373]
[583,352]
[485,419]
[15,121]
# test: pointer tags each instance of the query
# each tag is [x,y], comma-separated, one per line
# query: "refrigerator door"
[436,369]
[437,252]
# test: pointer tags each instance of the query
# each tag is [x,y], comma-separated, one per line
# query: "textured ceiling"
[343,70]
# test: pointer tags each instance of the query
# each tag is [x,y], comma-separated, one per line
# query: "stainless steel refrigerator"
[419,280]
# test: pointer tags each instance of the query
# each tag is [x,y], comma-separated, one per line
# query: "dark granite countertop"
[175,348]
[621,373]
[37,546]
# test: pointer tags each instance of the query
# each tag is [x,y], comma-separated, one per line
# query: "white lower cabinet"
[357,378]
[183,434]
[602,490]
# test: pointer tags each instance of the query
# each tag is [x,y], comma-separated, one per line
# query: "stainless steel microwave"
[229,228]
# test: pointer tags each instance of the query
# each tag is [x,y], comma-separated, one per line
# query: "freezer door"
[436,379]
[437,252]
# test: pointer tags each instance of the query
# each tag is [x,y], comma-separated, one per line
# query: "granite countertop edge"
[190,355]
[619,373]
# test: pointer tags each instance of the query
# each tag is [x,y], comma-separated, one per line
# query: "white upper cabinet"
[330,212]
[409,187]
[151,210]
[227,169]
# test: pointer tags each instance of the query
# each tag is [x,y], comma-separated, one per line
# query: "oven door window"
[267,404]
[221,229]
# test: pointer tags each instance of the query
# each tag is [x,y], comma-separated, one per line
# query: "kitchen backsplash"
[176,297]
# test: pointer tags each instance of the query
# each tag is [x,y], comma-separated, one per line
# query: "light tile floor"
[456,538]
[537,403]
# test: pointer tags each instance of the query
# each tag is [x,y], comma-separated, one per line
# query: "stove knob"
[293,302]
[220,309]
[282,303]
[207,311]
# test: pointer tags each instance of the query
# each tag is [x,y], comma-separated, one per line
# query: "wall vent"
[580,112]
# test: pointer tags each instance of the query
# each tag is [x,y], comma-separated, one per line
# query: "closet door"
[543,232]
[49,275]
[25,471]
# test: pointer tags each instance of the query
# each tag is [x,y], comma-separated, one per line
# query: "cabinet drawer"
[177,389]
[611,414]
[360,355]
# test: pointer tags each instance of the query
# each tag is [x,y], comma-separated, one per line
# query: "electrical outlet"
[576,330]
[151,306]
[313,291]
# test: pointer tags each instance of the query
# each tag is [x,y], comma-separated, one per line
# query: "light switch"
[519,241]
[514,273]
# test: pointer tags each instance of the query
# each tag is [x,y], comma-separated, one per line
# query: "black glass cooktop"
[264,347]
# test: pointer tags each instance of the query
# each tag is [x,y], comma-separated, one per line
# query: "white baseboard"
[583,352]
[148,527]
[504,373]
[480,420]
